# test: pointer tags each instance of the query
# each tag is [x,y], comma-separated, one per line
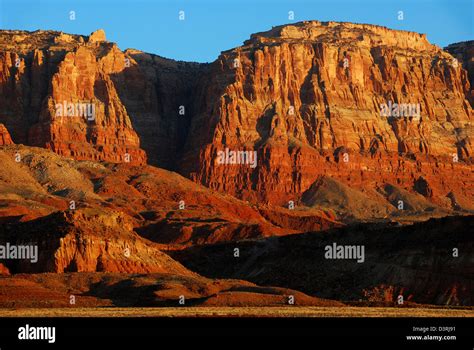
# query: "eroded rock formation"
[307,97]
[312,99]
[56,92]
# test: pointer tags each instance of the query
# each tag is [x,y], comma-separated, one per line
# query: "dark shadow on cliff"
[158,94]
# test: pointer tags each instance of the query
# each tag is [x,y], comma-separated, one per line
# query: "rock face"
[308,98]
[87,241]
[158,94]
[56,92]
[364,105]
[97,36]
[5,138]
[463,52]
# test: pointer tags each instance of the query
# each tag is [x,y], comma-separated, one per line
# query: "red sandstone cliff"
[306,95]
[43,71]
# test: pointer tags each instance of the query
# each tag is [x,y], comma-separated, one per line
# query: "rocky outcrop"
[5,138]
[56,92]
[97,36]
[307,97]
[463,54]
[86,241]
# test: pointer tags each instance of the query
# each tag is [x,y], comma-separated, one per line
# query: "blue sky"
[212,26]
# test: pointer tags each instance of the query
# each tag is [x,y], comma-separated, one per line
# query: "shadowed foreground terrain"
[415,261]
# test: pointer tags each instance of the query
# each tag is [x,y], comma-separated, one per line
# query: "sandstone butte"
[305,96]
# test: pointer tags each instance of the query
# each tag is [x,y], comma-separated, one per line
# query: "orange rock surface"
[5,138]
[56,92]
[307,97]
[80,119]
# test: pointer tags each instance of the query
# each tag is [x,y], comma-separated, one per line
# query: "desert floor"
[238,312]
